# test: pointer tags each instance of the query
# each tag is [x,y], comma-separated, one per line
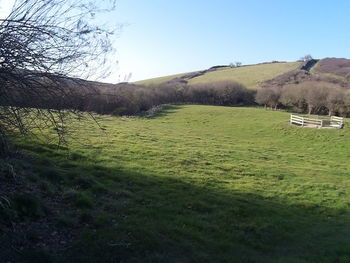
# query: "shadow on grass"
[164,110]
[142,217]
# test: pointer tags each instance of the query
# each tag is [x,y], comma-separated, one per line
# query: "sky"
[166,37]
[163,37]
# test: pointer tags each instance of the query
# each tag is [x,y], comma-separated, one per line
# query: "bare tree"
[316,96]
[294,96]
[307,57]
[334,100]
[344,109]
[268,97]
[45,45]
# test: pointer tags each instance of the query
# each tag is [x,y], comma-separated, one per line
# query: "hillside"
[190,184]
[331,70]
[328,70]
[337,66]
[250,75]
[156,81]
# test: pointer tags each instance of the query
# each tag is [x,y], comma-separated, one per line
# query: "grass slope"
[156,81]
[250,76]
[203,184]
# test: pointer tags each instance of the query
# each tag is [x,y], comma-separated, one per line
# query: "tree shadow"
[169,220]
[159,218]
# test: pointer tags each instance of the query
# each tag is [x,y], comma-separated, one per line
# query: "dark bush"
[269,97]
[316,97]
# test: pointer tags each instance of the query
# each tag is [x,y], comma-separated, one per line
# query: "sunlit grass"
[203,184]
[250,76]
[156,81]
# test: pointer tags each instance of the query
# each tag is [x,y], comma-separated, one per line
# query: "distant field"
[201,184]
[159,80]
[249,76]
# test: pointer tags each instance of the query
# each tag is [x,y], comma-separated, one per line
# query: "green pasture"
[249,76]
[199,184]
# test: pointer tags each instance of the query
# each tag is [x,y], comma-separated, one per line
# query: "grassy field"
[156,81]
[249,76]
[200,184]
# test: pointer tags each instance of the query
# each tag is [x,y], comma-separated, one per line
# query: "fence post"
[302,122]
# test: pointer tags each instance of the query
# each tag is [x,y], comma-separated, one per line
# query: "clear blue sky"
[165,37]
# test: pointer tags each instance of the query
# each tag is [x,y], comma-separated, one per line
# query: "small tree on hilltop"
[306,58]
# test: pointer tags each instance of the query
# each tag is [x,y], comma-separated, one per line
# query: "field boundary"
[333,122]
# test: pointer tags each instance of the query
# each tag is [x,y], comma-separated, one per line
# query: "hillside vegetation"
[157,81]
[190,184]
[337,66]
[249,75]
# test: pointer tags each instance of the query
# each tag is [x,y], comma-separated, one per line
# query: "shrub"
[129,99]
[317,97]
[269,97]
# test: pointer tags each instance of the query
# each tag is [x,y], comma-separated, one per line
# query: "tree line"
[312,97]
[130,99]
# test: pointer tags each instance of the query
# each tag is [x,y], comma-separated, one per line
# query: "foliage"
[313,97]
[268,97]
[42,43]
[130,99]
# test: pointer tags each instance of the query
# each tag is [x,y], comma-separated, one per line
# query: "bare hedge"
[312,97]
[129,99]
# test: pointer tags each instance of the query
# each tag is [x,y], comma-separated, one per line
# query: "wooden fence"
[334,122]
[337,122]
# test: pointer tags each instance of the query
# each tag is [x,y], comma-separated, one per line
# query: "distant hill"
[337,66]
[250,75]
[330,70]
[133,98]
[333,70]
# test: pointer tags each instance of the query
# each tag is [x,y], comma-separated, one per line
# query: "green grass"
[156,81]
[250,76]
[203,184]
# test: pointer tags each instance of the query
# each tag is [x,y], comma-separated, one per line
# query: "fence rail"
[337,122]
[334,122]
